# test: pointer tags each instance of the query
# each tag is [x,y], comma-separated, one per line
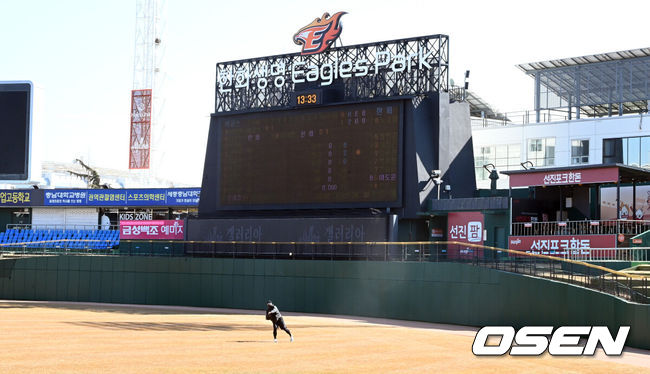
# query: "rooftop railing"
[520,118]
[527,117]
[584,227]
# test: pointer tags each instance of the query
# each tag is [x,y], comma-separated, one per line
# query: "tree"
[91,177]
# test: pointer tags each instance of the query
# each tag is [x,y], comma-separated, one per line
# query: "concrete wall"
[456,149]
[434,292]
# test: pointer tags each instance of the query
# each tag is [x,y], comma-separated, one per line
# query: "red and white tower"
[147,44]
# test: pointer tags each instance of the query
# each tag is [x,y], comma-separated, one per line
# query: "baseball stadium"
[379,213]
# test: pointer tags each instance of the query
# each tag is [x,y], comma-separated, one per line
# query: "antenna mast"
[147,42]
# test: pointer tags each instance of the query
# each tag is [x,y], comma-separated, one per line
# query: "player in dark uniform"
[273,314]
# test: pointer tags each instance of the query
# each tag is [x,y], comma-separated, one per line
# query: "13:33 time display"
[307,98]
[303,99]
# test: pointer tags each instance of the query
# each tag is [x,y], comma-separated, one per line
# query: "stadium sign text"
[565,341]
[277,74]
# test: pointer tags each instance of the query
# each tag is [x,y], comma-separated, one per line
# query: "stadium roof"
[599,84]
[532,67]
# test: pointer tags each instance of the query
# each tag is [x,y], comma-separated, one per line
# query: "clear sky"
[80,52]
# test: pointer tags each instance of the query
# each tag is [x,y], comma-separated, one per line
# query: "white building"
[588,110]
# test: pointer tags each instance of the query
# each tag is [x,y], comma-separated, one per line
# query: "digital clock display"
[311,157]
[307,98]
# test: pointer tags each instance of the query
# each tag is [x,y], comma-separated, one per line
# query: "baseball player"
[273,314]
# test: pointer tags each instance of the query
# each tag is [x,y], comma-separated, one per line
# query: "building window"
[580,151]
[503,157]
[541,152]
[612,151]
[634,151]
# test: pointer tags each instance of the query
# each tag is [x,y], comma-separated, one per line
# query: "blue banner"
[16,198]
[127,197]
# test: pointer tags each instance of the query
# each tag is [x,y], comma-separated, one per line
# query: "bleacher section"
[62,239]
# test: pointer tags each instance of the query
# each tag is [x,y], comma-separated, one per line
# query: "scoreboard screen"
[15,126]
[335,156]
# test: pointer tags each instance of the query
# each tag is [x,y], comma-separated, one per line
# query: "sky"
[80,55]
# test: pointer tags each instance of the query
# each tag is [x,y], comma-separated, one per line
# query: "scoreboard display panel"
[15,126]
[334,156]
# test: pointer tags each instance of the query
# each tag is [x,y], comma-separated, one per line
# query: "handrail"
[634,287]
[378,243]
[575,262]
[580,227]
[529,117]
[19,244]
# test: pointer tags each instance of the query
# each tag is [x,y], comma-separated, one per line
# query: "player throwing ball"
[273,313]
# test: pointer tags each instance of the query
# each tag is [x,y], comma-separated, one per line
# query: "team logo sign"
[320,34]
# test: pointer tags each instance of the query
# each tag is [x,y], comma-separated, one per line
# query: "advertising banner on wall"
[565,177]
[15,198]
[562,245]
[152,230]
[308,229]
[465,227]
[122,198]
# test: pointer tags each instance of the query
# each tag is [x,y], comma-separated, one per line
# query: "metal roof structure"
[531,67]
[478,107]
[594,85]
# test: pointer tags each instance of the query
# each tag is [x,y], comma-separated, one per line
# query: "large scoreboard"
[331,146]
[332,156]
[15,128]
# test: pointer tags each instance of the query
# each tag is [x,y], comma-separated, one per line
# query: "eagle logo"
[319,34]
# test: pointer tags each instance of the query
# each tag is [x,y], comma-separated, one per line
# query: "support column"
[578,93]
[537,98]
[618,198]
[560,218]
[633,199]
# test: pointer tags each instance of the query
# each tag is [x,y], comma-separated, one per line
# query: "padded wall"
[433,292]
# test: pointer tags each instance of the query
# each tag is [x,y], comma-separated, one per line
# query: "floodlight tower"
[145,69]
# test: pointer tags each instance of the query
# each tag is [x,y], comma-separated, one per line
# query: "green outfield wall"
[433,292]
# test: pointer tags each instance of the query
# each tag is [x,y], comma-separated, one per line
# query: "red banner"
[565,177]
[153,230]
[561,245]
[466,227]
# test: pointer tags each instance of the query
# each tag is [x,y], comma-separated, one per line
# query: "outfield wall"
[433,292]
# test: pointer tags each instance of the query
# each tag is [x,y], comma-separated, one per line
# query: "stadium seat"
[57,238]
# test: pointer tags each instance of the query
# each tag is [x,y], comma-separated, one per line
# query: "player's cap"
[269,302]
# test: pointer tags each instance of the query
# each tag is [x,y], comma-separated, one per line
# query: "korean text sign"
[465,227]
[121,197]
[153,230]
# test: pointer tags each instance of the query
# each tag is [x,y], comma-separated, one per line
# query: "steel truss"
[386,83]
